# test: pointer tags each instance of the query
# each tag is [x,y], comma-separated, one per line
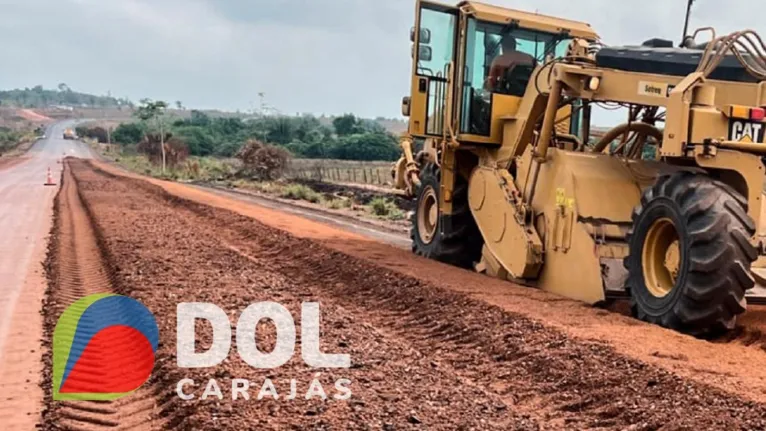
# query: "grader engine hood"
[670,61]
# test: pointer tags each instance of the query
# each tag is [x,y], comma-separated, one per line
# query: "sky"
[312,56]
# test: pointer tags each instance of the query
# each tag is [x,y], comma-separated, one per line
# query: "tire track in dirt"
[166,257]
[537,372]
[76,268]
[734,365]
[555,380]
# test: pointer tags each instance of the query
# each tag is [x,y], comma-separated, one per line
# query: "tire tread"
[460,242]
[719,250]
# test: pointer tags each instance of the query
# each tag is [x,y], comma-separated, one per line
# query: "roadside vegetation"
[259,168]
[383,207]
[346,138]
[14,141]
[374,206]
[9,139]
[258,155]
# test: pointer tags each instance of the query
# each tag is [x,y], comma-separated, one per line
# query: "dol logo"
[745,131]
[103,348]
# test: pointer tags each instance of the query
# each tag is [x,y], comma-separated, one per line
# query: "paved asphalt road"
[26,209]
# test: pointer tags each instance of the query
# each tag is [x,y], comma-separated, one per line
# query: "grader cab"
[511,179]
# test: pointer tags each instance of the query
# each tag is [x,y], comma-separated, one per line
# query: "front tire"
[454,239]
[690,254]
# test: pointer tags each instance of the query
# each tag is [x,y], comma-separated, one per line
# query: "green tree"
[199,118]
[227,149]
[366,146]
[304,136]
[281,130]
[201,141]
[346,125]
[150,110]
[129,133]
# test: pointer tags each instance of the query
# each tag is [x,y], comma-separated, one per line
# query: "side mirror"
[425,35]
[425,53]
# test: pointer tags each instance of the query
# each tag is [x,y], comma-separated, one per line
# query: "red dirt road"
[431,346]
[736,364]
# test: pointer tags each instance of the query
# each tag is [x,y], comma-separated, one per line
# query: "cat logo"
[745,131]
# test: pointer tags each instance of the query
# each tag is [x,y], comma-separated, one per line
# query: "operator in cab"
[504,63]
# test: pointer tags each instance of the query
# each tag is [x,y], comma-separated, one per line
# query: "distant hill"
[63,96]
[63,102]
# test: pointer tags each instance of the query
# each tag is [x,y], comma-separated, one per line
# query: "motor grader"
[511,178]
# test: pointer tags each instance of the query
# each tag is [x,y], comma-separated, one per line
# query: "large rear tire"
[454,239]
[690,254]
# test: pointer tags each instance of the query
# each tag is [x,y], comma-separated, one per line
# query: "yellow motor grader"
[512,180]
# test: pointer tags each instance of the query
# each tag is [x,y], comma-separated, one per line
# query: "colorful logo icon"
[103,348]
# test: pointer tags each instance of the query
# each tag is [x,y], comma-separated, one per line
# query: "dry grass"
[341,171]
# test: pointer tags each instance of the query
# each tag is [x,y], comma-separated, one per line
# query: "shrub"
[300,192]
[9,139]
[175,150]
[128,133]
[382,207]
[337,204]
[264,161]
[98,133]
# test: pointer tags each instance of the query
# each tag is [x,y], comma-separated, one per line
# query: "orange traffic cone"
[49,179]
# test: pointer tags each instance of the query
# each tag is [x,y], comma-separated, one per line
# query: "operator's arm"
[495,71]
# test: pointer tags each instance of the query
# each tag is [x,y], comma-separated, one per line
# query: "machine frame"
[553,209]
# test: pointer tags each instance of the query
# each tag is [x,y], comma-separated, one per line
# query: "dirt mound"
[31,115]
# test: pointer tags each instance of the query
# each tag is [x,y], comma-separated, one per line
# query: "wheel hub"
[428,214]
[673,260]
[661,258]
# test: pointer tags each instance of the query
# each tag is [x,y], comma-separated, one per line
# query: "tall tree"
[346,125]
[150,110]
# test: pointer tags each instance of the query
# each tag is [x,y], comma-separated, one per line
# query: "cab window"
[435,53]
[500,60]
[437,44]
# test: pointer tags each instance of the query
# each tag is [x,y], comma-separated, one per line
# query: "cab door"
[433,56]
